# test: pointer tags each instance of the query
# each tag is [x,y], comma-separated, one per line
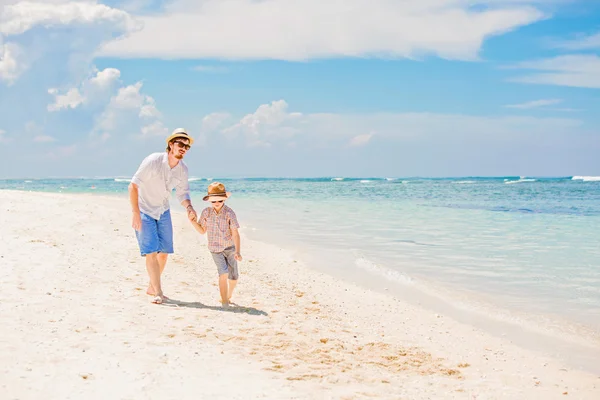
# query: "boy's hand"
[191,213]
[238,257]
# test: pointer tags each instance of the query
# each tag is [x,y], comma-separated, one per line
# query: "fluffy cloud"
[309,29]
[72,99]
[535,104]
[10,67]
[576,70]
[23,22]
[131,112]
[268,122]
[361,140]
[288,143]
[20,17]
[115,108]
[272,124]
[92,90]
[44,139]
[47,47]
[582,43]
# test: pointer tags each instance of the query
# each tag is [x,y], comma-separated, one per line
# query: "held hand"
[192,214]
[238,257]
[136,221]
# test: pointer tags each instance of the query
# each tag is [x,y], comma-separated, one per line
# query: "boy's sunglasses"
[181,144]
[217,201]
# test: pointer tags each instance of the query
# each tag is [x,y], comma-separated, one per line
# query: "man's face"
[179,147]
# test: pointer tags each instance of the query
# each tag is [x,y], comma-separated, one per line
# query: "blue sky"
[302,88]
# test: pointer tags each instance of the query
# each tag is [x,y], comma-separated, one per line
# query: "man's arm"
[135,206]
[143,173]
[182,191]
[187,204]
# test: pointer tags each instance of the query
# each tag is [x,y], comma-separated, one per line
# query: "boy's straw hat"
[182,133]
[216,191]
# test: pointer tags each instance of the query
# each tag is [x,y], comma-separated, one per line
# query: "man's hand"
[237,256]
[137,221]
[191,213]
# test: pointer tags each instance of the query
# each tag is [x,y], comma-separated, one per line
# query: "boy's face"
[218,204]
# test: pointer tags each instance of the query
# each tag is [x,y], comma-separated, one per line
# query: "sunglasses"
[182,145]
[217,201]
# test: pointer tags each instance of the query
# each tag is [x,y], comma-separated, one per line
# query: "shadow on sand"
[234,308]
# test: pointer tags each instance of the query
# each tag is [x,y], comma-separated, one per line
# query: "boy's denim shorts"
[156,236]
[226,263]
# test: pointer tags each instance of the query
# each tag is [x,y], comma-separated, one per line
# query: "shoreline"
[299,330]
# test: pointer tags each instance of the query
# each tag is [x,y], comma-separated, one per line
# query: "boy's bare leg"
[153,268]
[223,289]
[162,262]
[232,284]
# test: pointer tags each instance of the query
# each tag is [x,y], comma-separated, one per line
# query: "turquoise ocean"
[522,250]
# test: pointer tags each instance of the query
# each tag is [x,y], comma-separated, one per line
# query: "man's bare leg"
[153,268]
[162,262]
[232,284]
[223,289]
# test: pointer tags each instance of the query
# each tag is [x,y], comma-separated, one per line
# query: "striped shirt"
[218,227]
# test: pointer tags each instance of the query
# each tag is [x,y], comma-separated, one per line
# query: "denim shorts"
[226,263]
[156,236]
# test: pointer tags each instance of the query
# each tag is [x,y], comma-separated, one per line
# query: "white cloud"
[21,52]
[95,89]
[129,112]
[44,139]
[576,70]
[72,99]
[210,69]
[129,97]
[535,104]
[269,121]
[106,78]
[10,67]
[214,121]
[273,125]
[361,140]
[62,152]
[309,29]
[18,18]
[585,42]
[156,128]
[115,108]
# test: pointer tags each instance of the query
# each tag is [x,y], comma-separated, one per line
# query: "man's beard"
[179,156]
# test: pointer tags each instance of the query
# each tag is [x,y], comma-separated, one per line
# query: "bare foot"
[158,299]
[224,304]
[150,292]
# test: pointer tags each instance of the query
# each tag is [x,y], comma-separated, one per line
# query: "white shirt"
[156,180]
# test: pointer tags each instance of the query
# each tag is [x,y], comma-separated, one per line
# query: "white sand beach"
[75,323]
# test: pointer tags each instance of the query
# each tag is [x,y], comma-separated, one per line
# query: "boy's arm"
[235,235]
[182,191]
[198,227]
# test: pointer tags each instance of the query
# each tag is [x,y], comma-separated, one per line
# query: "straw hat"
[216,191]
[182,133]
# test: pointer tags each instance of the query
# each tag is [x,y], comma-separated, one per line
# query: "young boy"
[221,224]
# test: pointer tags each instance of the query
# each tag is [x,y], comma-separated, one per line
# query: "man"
[149,193]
